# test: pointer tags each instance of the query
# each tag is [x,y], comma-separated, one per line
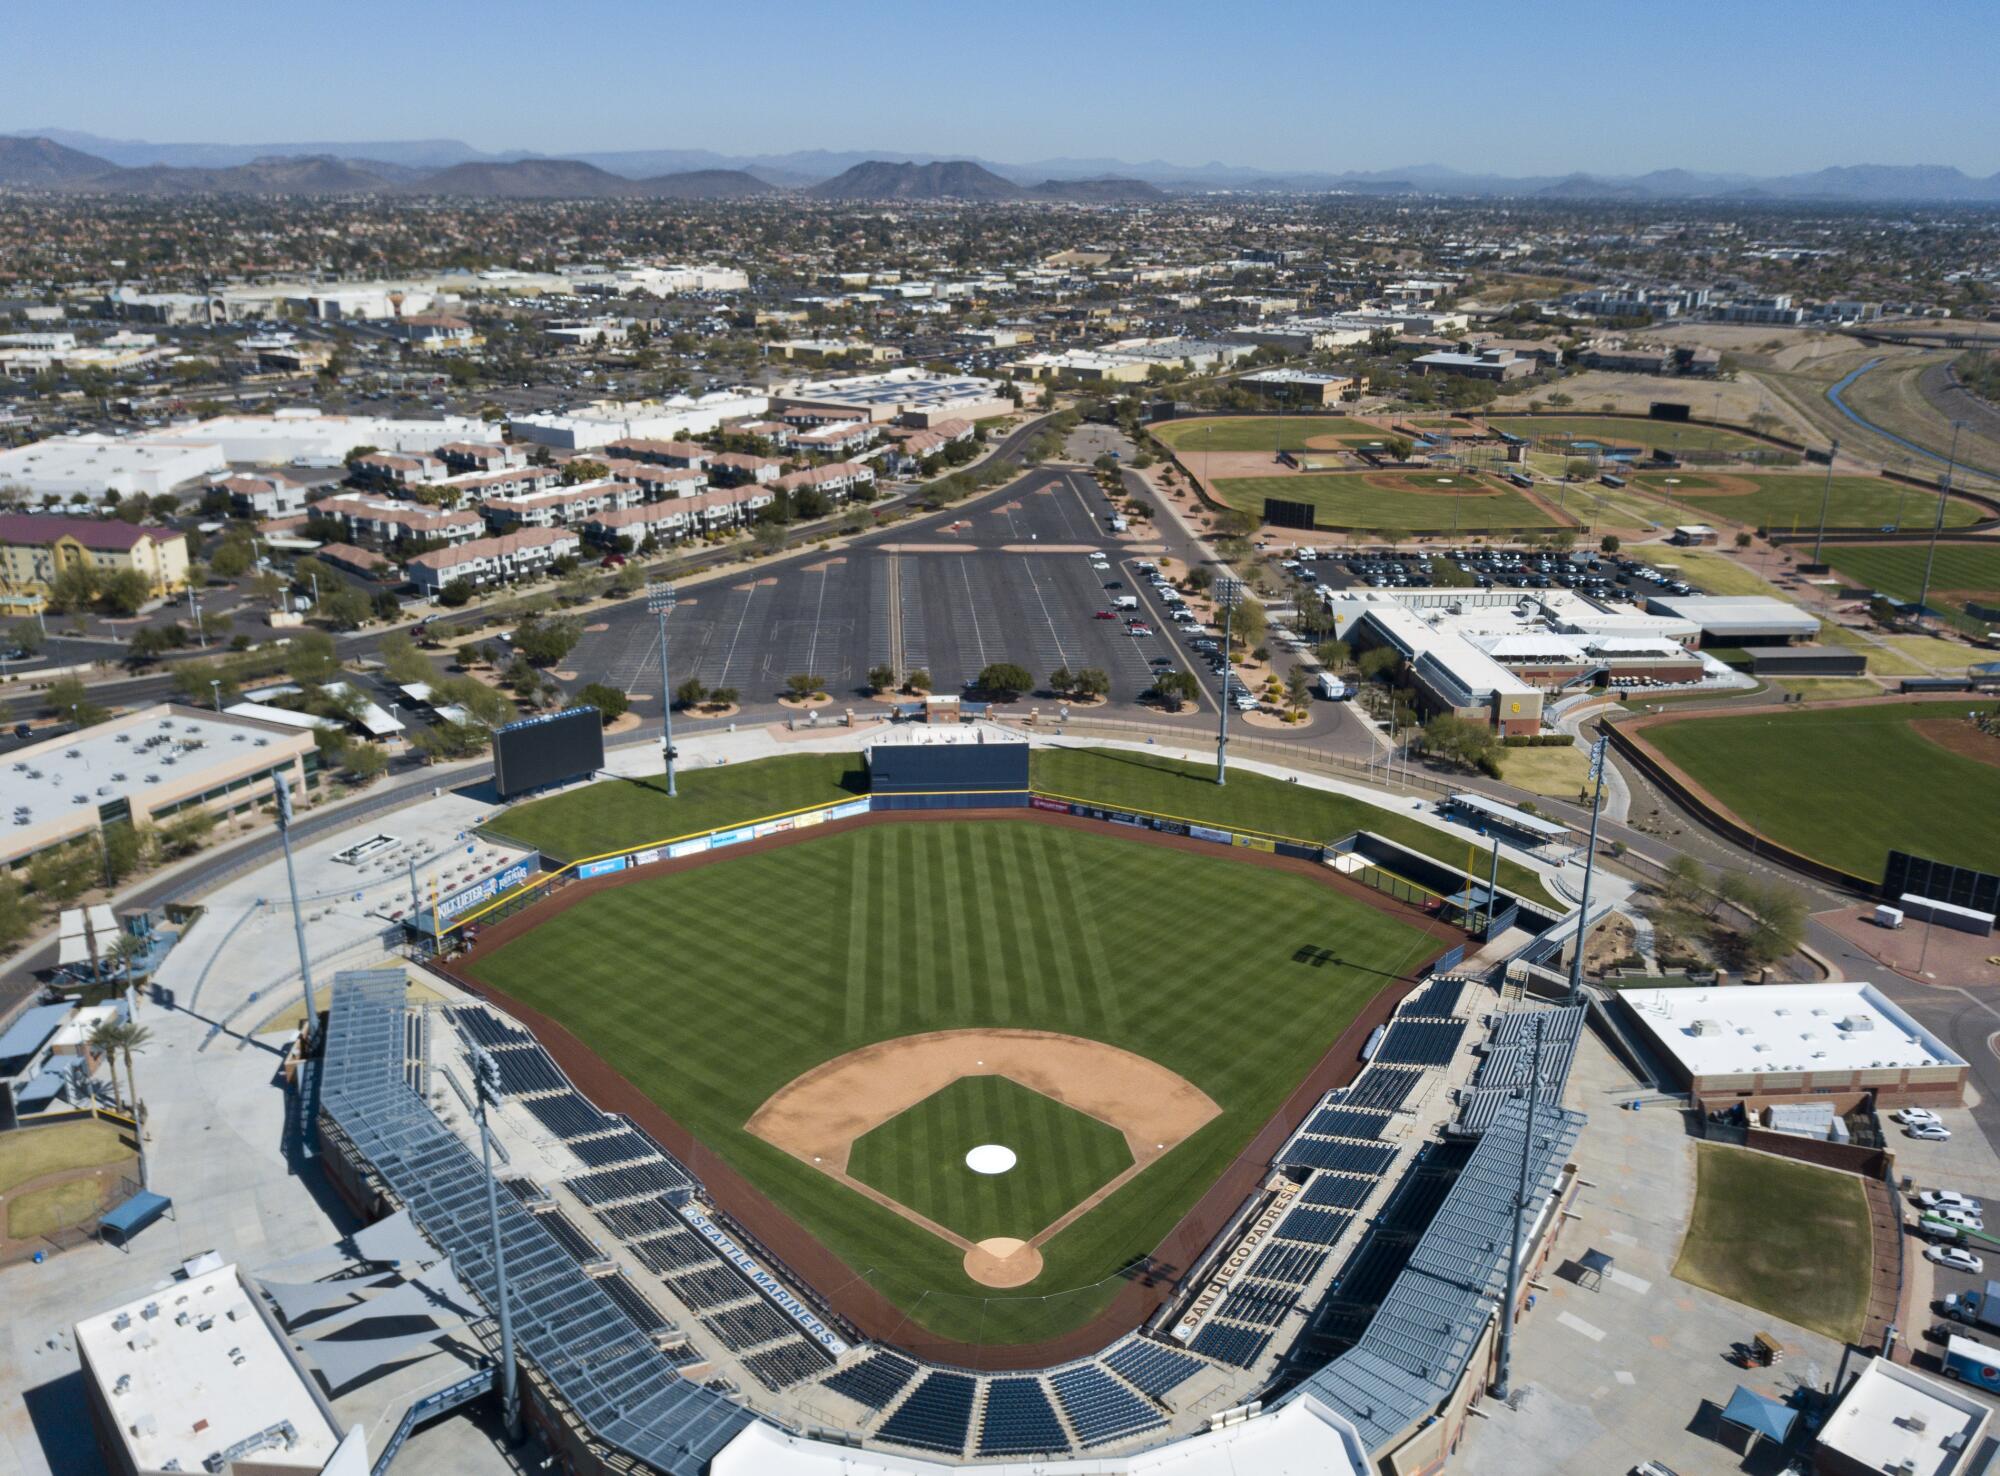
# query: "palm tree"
[104,1040]
[125,1038]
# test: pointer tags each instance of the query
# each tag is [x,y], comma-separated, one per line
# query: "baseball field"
[1267,433]
[1613,430]
[1963,573]
[1847,784]
[987,1062]
[1790,501]
[1415,501]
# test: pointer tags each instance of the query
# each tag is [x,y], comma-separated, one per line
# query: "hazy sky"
[1531,86]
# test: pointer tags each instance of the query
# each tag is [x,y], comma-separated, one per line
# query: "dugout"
[1806,661]
[948,776]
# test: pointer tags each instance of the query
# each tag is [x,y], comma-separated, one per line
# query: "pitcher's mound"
[1003,1262]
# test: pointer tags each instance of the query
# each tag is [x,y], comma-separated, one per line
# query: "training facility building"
[1288,386]
[1738,620]
[36,547]
[145,768]
[1727,1045]
[1893,1418]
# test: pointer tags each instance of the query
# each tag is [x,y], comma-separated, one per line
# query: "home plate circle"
[990,1158]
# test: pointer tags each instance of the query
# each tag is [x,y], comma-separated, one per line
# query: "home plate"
[1003,1262]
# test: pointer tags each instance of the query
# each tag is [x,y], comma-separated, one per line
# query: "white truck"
[1331,688]
[1125,602]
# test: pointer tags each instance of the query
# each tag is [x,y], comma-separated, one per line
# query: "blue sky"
[1619,86]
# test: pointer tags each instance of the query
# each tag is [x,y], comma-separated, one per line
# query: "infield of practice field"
[712,988]
[1845,784]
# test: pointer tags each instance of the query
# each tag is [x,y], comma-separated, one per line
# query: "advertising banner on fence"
[1170,827]
[770,827]
[731,837]
[1119,817]
[465,899]
[599,868]
[1061,807]
[1255,843]
[687,848]
[768,1284]
[646,857]
[848,811]
[810,818]
[1220,837]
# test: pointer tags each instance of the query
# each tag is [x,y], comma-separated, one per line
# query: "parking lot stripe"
[1630,1282]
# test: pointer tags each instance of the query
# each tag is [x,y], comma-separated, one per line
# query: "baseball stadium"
[962,1120]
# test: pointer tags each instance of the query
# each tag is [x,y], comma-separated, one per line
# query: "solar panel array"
[601,1363]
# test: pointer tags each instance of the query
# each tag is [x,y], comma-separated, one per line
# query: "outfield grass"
[712,988]
[618,814]
[1786,1238]
[1830,689]
[1612,430]
[614,814]
[1124,779]
[88,1143]
[1845,785]
[1271,433]
[1345,500]
[918,1158]
[1963,571]
[1789,502]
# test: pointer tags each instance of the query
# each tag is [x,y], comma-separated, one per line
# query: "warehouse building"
[1729,1045]
[145,768]
[1738,620]
[675,418]
[912,396]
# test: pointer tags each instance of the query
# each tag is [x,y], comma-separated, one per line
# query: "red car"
[1106,615]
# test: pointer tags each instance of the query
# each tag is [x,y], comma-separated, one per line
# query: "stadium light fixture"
[1937,527]
[1505,1366]
[486,1086]
[1227,591]
[1597,753]
[282,793]
[660,599]
[1825,496]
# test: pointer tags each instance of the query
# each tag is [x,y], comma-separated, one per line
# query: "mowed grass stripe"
[1847,784]
[712,988]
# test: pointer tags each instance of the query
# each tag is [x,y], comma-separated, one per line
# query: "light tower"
[486,1086]
[660,600]
[283,794]
[1227,591]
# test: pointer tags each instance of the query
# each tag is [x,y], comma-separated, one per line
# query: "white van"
[1125,602]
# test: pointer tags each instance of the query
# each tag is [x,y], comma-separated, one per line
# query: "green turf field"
[1786,1238]
[1264,432]
[1788,502]
[615,813]
[683,983]
[1345,500]
[1846,785]
[1963,571]
[918,1158]
[1615,430]
[618,814]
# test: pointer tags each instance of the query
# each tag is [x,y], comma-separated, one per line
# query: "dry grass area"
[1556,772]
[1633,394]
[32,1152]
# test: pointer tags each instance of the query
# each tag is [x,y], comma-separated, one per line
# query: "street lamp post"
[215,692]
[660,600]
[282,792]
[194,608]
[1589,866]
[1937,526]
[1825,495]
[1227,590]
[486,1085]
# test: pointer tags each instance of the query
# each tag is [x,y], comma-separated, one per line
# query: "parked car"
[1917,1114]
[1954,1259]
[1107,615]
[1929,1132]
[1964,1219]
[1933,1199]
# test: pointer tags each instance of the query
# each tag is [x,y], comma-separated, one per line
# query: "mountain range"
[60,159]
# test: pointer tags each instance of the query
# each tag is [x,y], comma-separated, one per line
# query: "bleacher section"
[1437,1000]
[1019,1420]
[1150,1368]
[1239,1346]
[1379,1088]
[937,1415]
[1098,1407]
[1420,1042]
[1509,1061]
[567,1115]
[875,1381]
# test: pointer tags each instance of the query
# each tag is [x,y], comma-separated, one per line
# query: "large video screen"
[537,752]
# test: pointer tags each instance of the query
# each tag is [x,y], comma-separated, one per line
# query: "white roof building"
[1895,1419]
[193,1371]
[916,396]
[96,464]
[1733,619]
[675,418]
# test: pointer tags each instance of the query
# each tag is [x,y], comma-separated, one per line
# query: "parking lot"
[1010,578]
[1608,578]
